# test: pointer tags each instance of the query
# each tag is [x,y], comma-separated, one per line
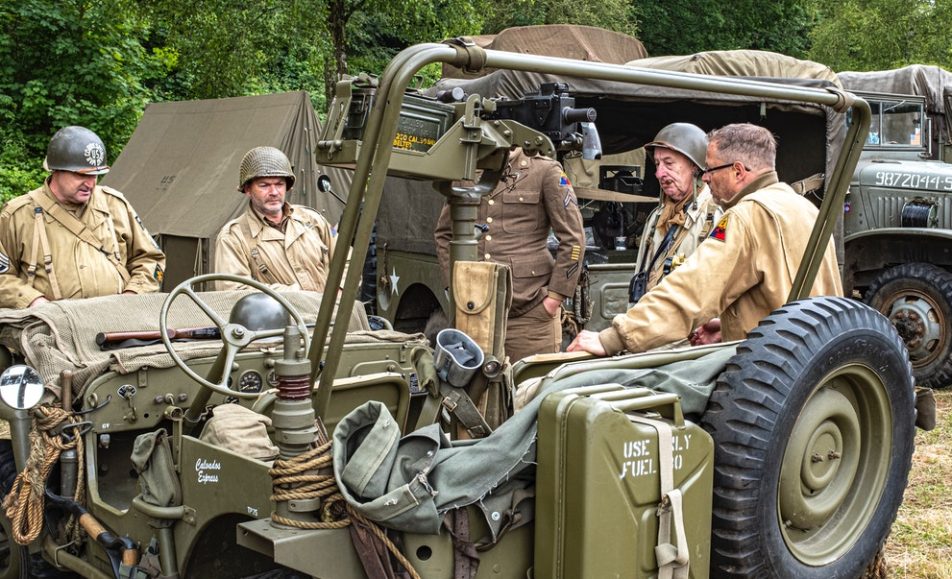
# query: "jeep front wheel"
[813,423]
[917,299]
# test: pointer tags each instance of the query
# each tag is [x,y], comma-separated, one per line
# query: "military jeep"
[897,213]
[367,453]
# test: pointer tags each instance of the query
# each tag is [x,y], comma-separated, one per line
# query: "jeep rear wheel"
[917,299]
[813,423]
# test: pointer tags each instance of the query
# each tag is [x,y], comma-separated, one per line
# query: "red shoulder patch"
[564,180]
[720,232]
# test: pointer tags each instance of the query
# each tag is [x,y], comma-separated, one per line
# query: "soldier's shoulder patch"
[564,180]
[720,231]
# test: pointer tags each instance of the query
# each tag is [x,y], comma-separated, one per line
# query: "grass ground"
[920,546]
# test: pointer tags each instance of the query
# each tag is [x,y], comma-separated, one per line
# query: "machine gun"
[430,129]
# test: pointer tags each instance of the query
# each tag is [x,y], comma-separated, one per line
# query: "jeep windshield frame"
[366,190]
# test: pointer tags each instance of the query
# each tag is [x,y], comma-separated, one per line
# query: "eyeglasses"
[719,167]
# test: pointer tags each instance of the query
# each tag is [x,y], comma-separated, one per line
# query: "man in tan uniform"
[287,247]
[533,196]
[72,238]
[686,212]
[744,270]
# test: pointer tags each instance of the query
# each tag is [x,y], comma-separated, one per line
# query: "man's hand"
[708,333]
[551,305]
[38,301]
[587,341]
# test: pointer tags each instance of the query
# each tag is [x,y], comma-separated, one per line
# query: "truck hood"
[925,176]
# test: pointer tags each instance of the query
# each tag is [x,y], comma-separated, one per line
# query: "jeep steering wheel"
[234,336]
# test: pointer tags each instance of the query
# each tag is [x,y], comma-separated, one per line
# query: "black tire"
[816,377]
[917,299]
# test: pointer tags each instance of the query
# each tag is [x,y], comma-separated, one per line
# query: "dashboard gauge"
[250,381]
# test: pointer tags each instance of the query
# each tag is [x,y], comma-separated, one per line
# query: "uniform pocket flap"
[532,266]
[527,196]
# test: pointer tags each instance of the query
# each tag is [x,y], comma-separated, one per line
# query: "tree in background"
[689,26]
[617,15]
[67,63]
[98,62]
[883,34]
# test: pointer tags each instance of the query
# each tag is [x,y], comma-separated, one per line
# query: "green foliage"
[73,62]
[617,15]
[689,26]
[882,34]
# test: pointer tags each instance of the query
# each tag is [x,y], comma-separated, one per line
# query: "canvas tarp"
[563,40]
[180,168]
[628,125]
[932,82]
[630,115]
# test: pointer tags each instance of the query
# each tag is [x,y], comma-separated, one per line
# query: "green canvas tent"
[180,169]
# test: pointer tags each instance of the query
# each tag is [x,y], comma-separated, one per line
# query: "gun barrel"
[209,333]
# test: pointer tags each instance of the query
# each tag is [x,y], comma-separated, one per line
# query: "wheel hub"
[917,321]
[823,450]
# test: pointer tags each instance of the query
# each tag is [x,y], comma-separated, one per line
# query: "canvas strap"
[40,242]
[674,559]
[79,229]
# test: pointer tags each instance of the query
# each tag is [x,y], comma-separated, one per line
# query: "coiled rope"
[24,504]
[297,479]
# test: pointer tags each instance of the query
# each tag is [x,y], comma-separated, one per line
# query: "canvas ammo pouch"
[482,291]
[152,459]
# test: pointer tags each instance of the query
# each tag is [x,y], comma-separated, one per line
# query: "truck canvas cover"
[932,82]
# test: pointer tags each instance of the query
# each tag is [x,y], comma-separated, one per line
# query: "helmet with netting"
[264,162]
[76,149]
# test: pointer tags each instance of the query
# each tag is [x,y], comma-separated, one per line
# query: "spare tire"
[813,423]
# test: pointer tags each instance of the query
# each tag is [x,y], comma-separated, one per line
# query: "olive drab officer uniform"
[742,272]
[297,258]
[700,215]
[533,197]
[57,250]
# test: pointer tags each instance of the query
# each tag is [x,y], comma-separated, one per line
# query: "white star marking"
[394,278]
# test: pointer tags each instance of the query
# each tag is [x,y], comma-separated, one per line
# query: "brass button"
[489,238]
[520,199]
[533,272]
[489,220]
[491,202]
[487,256]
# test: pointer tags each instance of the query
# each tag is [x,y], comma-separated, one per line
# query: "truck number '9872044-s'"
[913,181]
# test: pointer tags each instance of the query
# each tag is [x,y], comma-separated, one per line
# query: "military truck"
[158,460]
[898,218]
[403,281]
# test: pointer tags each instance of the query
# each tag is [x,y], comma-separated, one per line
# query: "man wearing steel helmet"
[686,212]
[72,238]
[746,267]
[287,247]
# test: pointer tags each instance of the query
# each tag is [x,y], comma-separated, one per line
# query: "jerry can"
[600,502]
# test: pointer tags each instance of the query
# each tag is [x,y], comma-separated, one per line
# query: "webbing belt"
[40,239]
[674,559]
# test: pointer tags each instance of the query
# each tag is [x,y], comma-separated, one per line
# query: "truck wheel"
[917,299]
[813,423]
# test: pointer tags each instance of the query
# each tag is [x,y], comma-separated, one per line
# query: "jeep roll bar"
[376,149]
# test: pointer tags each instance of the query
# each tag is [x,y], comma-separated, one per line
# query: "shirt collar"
[764,180]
